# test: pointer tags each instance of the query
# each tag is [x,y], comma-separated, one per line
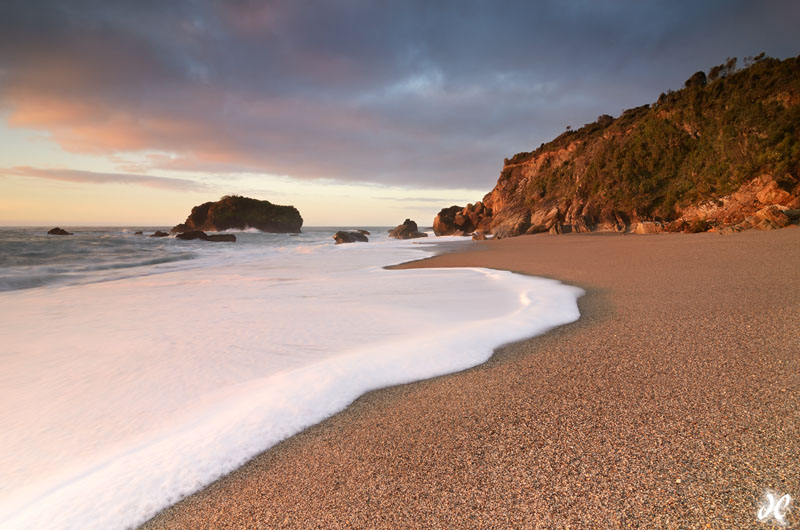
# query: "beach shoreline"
[671,402]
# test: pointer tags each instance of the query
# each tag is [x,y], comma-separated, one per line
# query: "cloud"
[91,177]
[406,93]
[432,200]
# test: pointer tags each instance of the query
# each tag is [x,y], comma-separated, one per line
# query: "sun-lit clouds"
[91,177]
[42,202]
[85,125]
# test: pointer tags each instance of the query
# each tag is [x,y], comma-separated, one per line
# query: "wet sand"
[674,402]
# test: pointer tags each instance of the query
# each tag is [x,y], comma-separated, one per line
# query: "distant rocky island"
[241,213]
[722,154]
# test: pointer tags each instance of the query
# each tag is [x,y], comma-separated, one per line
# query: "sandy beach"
[671,403]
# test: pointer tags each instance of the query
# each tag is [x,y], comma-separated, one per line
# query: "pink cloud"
[92,177]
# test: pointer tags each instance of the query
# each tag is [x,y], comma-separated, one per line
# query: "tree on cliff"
[722,70]
[698,79]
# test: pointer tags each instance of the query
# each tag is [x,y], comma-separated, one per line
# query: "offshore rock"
[354,236]
[159,233]
[407,230]
[198,234]
[58,232]
[233,211]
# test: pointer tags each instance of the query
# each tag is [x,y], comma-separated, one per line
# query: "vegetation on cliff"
[652,163]
[237,212]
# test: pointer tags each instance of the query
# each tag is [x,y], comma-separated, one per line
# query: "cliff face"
[242,213]
[714,155]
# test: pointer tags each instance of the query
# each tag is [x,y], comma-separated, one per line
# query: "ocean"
[135,370]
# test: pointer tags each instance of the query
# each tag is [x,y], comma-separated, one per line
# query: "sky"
[357,113]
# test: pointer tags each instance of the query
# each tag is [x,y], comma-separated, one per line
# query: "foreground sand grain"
[674,402]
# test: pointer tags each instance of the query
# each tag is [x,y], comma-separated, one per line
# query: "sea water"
[135,370]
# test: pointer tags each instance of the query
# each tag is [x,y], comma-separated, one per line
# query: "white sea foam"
[119,398]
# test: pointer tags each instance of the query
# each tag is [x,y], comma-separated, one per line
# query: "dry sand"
[672,403]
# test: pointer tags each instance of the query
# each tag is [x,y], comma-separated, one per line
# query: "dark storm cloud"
[420,93]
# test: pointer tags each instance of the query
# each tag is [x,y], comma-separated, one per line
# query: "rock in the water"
[138,233]
[191,234]
[58,232]
[237,212]
[159,233]
[407,230]
[199,234]
[364,232]
[230,238]
[344,236]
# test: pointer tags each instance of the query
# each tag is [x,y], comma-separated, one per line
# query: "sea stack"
[241,213]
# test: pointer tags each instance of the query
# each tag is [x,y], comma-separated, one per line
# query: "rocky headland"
[722,154]
[241,213]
